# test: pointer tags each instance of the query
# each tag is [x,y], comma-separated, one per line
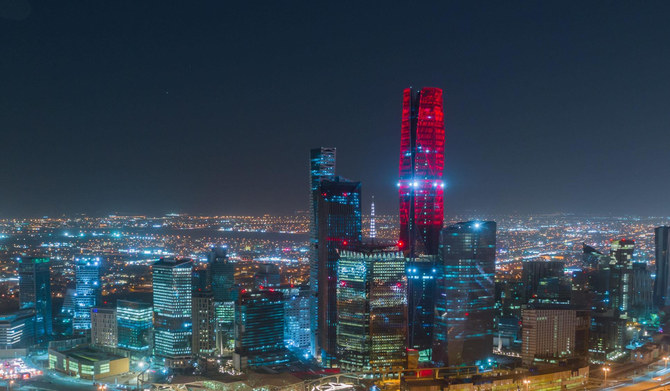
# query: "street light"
[606,370]
[666,358]
[526,383]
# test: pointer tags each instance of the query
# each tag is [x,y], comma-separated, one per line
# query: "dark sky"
[172,106]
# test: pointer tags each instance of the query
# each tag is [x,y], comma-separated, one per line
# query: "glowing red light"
[467,313]
[399,285]
[345,242]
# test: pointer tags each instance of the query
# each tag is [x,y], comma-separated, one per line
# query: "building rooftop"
[89,355]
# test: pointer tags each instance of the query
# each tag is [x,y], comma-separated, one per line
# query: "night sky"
[170,106]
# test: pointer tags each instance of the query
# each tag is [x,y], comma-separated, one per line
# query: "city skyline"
[152,109]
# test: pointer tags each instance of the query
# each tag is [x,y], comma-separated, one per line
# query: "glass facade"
[87,291]
[339,218]
[465,304]
[421,184]
[134,322]
[172,311]
[35,292]
[321,166]
[259,329]
[371,308]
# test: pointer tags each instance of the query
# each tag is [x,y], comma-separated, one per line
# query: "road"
[656,379]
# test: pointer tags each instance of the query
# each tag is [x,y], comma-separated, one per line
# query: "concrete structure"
[104,331]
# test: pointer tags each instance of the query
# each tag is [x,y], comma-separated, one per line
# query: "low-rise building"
[87,363]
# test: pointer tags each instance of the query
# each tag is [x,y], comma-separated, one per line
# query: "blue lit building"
[35,292]
[371,308]
[339,226]
[465,303]
[321,167]
[87,291]
[134,323]
[259,329]
[421,289]
[296,307]
[172,311]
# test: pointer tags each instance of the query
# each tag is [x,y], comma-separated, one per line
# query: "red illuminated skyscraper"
[421,185]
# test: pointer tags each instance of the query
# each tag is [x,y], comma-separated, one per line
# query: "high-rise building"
[421,184]
[222,271]
[339,218]
[422,276]
[321,167]
[621,275]
[134,323]
[87,291]
[172,311]
[104,329]
[17,329]
[259,329]
[296,306]
[35,292]
[662,282]
[371,308]
[552,334]
[465,304]
[204,323]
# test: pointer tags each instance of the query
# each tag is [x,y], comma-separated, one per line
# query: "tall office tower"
[259,329]
[422,274]
[662,282]
[465,304]
[641,292]
[297,307]
[421,186]
[339,217]
[621,275]
[552,334]
[222,271]
[371,308]
[104,329]
[373,226]
[591,257]
[172,311]
[321,167]
[545,282]
[204,323]
[87,291]
[35,292]
[134,323]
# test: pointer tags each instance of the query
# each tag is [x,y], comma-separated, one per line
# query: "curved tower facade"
[421,184]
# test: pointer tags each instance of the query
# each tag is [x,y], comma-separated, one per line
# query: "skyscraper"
[222,271]
[339,217]
[134,322]
[421,184]
[321,167]
[259,329]
[545,282]
[204,323]
[87,291]
[35,292]
[371,308]
[465,304]
[172,311]
[662,282]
